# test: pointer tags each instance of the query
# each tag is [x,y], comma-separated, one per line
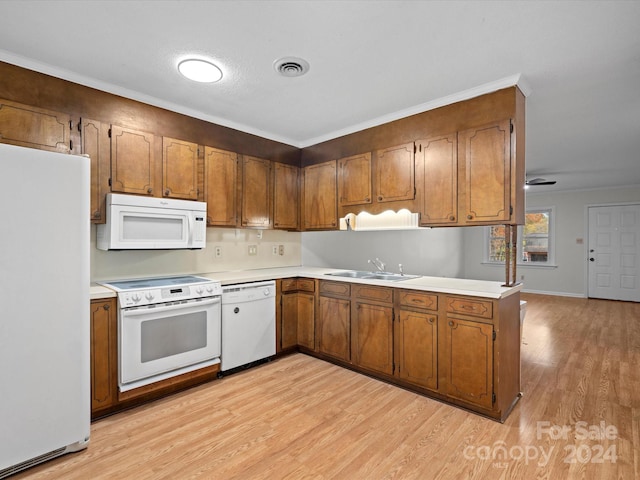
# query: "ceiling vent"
[291,66]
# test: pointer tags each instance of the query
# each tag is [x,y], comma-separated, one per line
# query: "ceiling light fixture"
[200,70]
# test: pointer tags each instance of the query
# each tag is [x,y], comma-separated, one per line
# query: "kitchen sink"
[394,277]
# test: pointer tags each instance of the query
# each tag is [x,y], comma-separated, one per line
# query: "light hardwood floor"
[302,418]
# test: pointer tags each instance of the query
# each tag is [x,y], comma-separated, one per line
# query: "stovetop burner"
[154,282]
[155,290]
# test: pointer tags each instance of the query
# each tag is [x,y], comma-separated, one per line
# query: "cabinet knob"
[452,217]
[469,217]
[450,323]
[367,199]
[167,192]
[149,190]
[106,306]
[379,198]
[431,320]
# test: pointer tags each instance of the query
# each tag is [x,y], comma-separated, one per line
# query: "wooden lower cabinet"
[333,326]
[417,348]
[469,362]
[104,356]
[297,317]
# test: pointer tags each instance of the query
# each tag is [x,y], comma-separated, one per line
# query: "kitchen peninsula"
[455,340]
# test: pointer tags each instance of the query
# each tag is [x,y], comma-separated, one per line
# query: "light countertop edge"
[457,286]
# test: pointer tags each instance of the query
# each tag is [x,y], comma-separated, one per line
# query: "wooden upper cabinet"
[354,180]
[179,169]
[94,139]
[220,186]
[395,173]
[286,186]
[132,161]
[484,173]
[438,165]
[33,127]
[256,179]
[320,200]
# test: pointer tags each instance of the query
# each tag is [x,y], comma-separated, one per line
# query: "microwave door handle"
[191,226]
[145,311]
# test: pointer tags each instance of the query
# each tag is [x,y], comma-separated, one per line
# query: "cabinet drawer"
[289,284]
[306,285]
[380,294]
[466,306]
[418,300]
[335,288]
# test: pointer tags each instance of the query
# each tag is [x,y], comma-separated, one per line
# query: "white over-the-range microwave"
[152,223]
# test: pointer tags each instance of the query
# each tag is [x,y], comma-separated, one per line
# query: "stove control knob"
[209,289]
[199,290]
[266,292]
[135,297]
[148,296]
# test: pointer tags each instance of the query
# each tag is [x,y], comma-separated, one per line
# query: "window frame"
[551,254]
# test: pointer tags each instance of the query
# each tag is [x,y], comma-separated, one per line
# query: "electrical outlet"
[253,250]
[274,250]
[218,252]
[281,249]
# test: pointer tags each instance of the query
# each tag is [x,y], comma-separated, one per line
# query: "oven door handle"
[136,311]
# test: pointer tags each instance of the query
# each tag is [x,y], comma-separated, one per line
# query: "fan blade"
[540,181]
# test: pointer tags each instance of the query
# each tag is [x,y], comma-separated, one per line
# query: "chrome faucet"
[377,263]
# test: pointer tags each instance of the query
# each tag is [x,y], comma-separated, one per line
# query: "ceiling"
[370,62]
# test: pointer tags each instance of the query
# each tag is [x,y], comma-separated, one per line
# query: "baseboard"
[557,294]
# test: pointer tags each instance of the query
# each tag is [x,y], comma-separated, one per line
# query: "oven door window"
[169,336]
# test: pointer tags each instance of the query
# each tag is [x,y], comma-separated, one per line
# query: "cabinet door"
[320,207]
[334,327]
[104,355]
[372,337]
[95,143]
[33,127]
[289,335]
[306,320]
[469,361]
[256,207]
[179,169]
[132,161]
[354,180]
[439,179]
[485,172]
[395,173]
[220,185]
[286,189]
[417,348]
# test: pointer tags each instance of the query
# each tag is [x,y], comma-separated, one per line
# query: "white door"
[614,252]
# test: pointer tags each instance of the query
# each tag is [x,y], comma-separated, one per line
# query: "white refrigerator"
[44,306]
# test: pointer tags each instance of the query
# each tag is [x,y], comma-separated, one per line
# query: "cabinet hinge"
[109,181]
[393,368]
[493,397]
[109,132]
[393,316]
[511,127]
[70,144]
[494,335]
[80,125]
[415,148]
[510,209]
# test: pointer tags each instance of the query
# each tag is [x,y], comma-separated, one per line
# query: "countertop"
[459,286]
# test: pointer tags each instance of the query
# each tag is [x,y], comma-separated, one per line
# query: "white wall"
[569,277]
[434,252]
[234,243]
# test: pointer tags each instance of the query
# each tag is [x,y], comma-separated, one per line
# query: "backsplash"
[232,246]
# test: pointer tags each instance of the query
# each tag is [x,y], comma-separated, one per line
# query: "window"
[535,239]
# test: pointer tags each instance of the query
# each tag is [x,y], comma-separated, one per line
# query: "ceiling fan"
[539,181]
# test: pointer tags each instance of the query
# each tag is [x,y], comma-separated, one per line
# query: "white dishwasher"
[248,324]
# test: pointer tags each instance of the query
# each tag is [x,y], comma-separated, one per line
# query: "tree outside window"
[534,239]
